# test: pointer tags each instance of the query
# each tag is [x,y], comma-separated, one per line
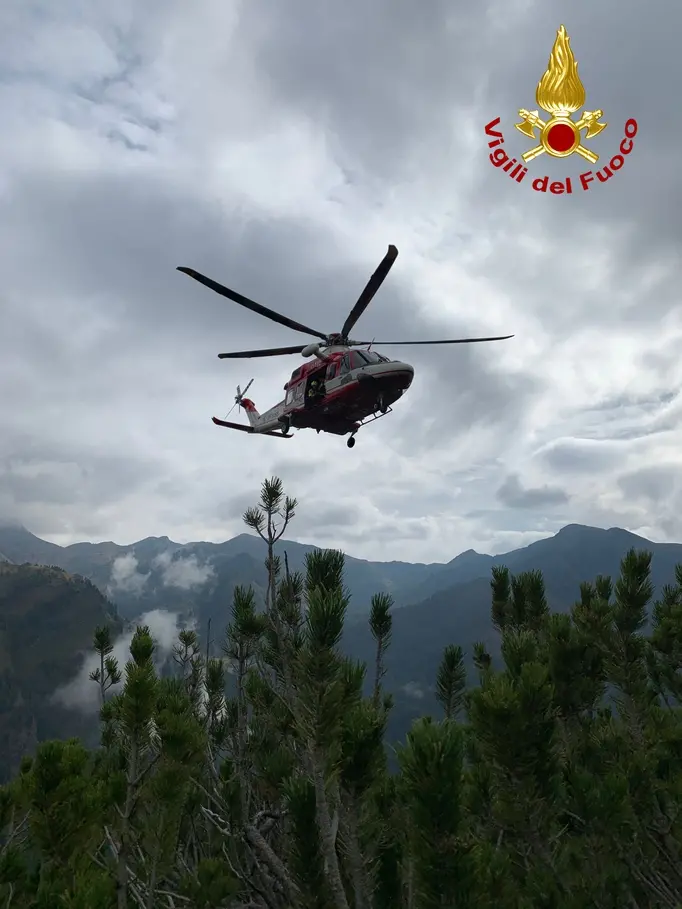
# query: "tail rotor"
[240,394]
[239,397]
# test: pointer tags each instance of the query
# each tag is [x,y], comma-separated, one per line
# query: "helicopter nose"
[402,374]
[392,374]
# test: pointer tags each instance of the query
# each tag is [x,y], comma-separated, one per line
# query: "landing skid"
[376,416]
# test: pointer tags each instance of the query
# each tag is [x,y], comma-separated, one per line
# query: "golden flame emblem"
[561,93]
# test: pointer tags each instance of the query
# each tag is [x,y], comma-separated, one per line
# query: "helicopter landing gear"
[381,404]
[286,424]
[351,442]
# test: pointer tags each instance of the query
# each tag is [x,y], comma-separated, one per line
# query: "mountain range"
[159,573]
[435,604]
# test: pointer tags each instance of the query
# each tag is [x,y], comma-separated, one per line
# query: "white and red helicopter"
[341,389]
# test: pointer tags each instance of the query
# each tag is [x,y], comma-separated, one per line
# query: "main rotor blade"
[267,352]
[412,343]
[250,304]
[371,288]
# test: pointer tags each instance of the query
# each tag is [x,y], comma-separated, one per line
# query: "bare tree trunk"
[122,873]
[271,594]
[102,680]
[273,862]
[153,876]
[241,738]
[378,672]
[327,837]
[410,883]
[361,890]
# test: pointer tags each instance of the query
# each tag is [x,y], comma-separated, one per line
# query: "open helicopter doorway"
[315,388]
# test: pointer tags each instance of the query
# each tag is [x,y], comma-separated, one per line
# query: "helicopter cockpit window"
[345,365]
[331,371]
[358,359]
[290,396]
[371,356]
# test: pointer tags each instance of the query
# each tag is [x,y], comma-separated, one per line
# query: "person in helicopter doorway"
[316,392]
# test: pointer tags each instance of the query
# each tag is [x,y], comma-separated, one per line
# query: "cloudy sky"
[280,147]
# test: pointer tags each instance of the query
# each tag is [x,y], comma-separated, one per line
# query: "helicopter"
[342,388]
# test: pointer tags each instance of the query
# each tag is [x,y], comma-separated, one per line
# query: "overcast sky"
[279,147]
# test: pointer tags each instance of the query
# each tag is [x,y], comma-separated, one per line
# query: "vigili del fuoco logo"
[560,93]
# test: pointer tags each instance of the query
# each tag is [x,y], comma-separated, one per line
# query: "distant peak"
[467,556]
[585,530]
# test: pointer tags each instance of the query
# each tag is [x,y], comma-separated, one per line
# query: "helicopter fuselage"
[336,392]
[354,385]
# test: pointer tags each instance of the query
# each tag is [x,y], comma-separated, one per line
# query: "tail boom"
[270,423]
[252,414]
[250,429]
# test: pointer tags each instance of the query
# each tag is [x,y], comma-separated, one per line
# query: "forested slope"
[47,619]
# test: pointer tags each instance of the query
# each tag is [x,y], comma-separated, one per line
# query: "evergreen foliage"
[555,783]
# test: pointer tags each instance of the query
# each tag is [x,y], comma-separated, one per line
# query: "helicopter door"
[345,370]
[331,379]
[295,395]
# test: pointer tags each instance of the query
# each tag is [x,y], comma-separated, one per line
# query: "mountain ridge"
[97,561]
[409,583]
[460,614]
[450,601]
[470,564]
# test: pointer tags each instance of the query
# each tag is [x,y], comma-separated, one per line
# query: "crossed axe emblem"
[531,121]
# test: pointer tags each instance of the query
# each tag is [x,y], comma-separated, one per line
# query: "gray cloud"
[514,494]
[338,516]
[414,690]
[127,153]
[575,456]
[184,573]
[125,575]
[81,693]
[655,484]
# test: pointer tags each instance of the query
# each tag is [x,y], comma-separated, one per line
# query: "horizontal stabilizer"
[276,435]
